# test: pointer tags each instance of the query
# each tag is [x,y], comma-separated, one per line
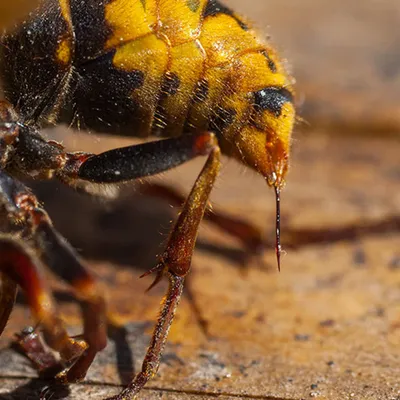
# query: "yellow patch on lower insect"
[187,64]
[129,20]
[201,112]
[181,19]
[282,125]
[63,52]
[252,73]
[150,56]
[65,10]
[223,39]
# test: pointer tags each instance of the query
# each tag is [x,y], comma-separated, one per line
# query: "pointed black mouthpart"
[278,247]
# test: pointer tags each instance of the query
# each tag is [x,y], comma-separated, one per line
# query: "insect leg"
[26,270]
[175,263]
[65,263]
[248,234]
[137,161]
[61,258]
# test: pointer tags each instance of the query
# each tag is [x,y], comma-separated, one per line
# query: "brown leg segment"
[54,252]
[175,263]
[120,165]
[23,269]
[60,257]
[94,328]
[249,235]
[8,293]
[47,159]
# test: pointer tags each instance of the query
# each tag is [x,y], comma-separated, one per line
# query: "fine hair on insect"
[193,76]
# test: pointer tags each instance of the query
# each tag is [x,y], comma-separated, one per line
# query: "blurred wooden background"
[328,325]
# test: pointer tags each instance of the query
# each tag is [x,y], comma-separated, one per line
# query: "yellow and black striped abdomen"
[140,67]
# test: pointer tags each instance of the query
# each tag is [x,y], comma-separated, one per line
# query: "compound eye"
[272,99]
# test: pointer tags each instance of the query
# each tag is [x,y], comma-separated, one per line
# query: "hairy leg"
[24,269]
[50,249]
[175,264]
[33,154]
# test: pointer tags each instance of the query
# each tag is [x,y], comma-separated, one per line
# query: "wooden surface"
[327,326]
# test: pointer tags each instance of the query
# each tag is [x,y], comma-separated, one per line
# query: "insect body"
[176,69]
